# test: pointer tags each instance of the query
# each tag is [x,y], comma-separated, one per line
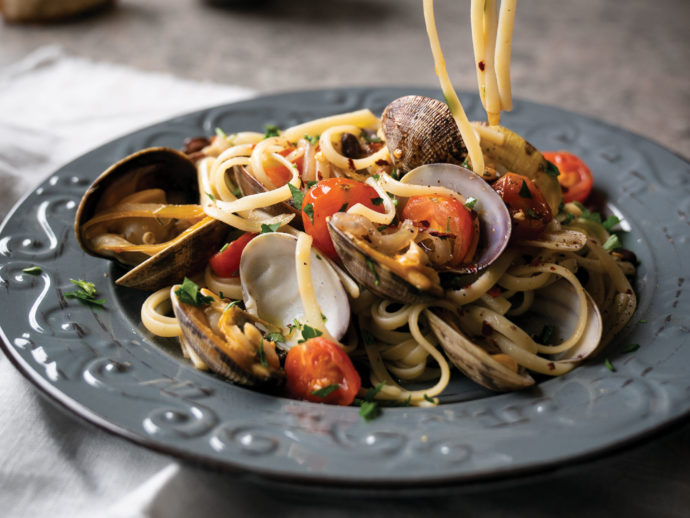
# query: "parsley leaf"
[309,332]
[325,391]
[630,348]
[275,337]
[373,391]
[429,399]
[370,138]
[312,139]
[189,293]
[470,202]
[33,270]
[311,183]
[545,336]
[221,133]
[552,169]
[532,215]
[309,211]
[369,410]
[609,365]
[211,196]
[612,243]
[85,293]
[224,248]
[265,229]
[262,353]
[297,196]
[524,190]
[231,304]
[611,222]
[568,219]
[271,131]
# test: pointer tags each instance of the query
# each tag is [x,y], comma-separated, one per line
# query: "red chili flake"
[551,365]
[424,223]
[487,330]
[552,268]
[382,162]
[481,65]
[351,164]
[494,292]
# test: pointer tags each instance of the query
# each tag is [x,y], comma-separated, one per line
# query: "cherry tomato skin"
[530,213]
[227,262]
[576,179]
[328,197]
[445,215]
[319,363]
[278,173]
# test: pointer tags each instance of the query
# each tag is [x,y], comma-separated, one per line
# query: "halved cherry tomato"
[444,215]
[278,173]
[528,209]
[317,364]
[575,178]
[328,197]
[227,262]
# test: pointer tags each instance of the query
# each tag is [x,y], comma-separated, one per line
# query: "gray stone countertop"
[626,62]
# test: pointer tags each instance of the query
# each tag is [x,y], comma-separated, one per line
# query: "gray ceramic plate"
[105,367]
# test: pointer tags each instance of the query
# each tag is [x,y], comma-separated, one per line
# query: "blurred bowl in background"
[30,11]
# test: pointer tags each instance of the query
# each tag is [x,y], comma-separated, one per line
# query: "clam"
[483,360]
[407,277]
[230,342]
[271,292]
[420,130]
[118,219]
[250,185]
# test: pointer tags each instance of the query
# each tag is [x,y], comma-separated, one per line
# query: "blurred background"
[624,61]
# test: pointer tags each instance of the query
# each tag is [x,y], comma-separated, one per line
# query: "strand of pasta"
[343,162]
[504,44]
[153,318]
[360,119]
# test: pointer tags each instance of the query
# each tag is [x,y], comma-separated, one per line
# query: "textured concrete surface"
[624,61]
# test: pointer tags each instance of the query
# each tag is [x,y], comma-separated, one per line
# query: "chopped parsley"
[611,222]
[309,211]
[85,293]
[609,365]
[221,133]
[311,183]
[524,190]
[308,333]
[612,243]
[381,227]
[262,353]
[608,224]
[326,391]
[231,304]
[211,196]
[466,163]
[369,409]
[376,176]
[370,138]
[324,317]
[377,201]
[189,293]
[568,218]
[271,131]
[368,337]
[370,265]
[448,224]
[630,348]
[297,196]
[237,192]
[312,139]
[552,169]
[532,215]
[33,270]
[545,336]
[225,247]
[470,202]
[275,337]
[429,399]
[265,229]
[643,321]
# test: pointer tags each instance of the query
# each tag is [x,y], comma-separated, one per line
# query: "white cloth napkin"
[54,107]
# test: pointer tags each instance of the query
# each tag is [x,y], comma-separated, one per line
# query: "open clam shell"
[154,168]
[380,273]
[239,359]
[473,360]
[270,289]
[420,130]
[494,218]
